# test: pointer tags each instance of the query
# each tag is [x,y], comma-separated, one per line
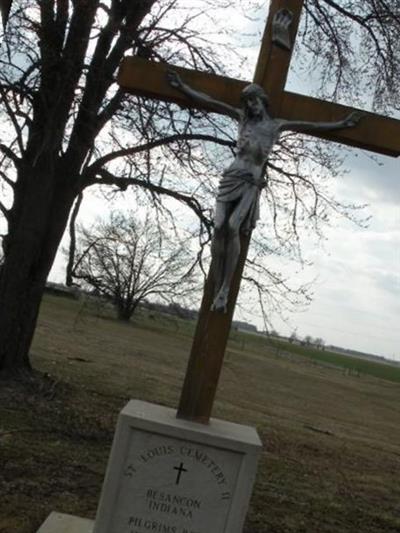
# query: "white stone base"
[167,475]
[65,523]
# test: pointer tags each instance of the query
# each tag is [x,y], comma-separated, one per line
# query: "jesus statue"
[237,206]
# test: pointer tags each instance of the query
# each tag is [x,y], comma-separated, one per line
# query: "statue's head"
[254,99]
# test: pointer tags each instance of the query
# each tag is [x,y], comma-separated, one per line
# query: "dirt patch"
[54,444]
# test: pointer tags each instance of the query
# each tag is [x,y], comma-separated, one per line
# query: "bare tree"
[59,106]
[128,261]
[308,340]
[319,343]
[355,47]
[69,127]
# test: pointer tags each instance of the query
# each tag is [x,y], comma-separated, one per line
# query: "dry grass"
[331,441]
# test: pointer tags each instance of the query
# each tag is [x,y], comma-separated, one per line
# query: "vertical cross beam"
[212,331]
[273,80]
[208,348]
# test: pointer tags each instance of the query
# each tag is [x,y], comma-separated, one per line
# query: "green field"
[356,365]
[331,439]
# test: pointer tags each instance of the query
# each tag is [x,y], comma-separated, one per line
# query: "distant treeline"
[173,308]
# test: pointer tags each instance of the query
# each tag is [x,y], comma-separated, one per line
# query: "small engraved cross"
[180,470]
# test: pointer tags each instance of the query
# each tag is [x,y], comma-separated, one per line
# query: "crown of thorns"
[254,90]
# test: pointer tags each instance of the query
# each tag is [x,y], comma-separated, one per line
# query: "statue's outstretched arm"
[303,127]
[220,107]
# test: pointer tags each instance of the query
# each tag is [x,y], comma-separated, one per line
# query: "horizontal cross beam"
[375,133]
[147,78]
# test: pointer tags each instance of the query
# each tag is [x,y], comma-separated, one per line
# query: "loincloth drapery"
[237,185]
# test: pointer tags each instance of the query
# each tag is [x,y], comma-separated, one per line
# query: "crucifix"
[221,94]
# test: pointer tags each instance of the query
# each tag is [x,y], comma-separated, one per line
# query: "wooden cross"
[375,133]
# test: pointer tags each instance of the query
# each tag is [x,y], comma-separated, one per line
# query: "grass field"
[355,365]
[331,456]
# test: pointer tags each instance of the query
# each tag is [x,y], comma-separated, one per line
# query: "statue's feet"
[220,302]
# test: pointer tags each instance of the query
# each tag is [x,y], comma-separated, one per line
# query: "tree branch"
[109,179]
[13,119]
[96,166]
[72,243]
[10,154]
[4,211]
[7,179]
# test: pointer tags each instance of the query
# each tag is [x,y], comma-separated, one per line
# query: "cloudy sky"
[357,293]
[357,290]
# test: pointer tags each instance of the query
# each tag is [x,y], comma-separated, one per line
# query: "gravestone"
[174,476]
[169,475]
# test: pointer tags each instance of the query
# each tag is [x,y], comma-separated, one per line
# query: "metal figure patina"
[237,205]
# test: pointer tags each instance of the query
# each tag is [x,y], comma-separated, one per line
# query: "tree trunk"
[123,314]
[31,248]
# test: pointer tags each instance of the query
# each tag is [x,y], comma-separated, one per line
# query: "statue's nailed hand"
[174,79]
[353,119]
